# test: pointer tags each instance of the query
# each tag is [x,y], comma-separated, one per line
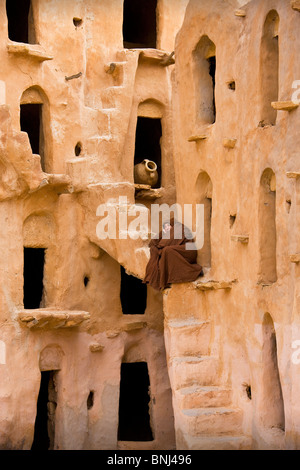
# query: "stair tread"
[192,358]
[186,323]
[202,388]
[209,411]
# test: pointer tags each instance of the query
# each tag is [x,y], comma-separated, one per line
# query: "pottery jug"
[146,173]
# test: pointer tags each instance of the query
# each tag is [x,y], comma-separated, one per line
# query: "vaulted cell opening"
[30,121]
[148,145]
[204,66]
[133,294]
[33,288]
[134,416]
[204,189]
[273,404]
[20,21]
[44,429]
[139,24]
[267,228]
[35,121]
[269,69]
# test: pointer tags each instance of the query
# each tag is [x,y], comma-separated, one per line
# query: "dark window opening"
[90,400]
[20,21]
[133,294]
[44,429]
[139,24]
[147,143]
[31,122]
[212,73]
[78,149]
[134,417]
[34,260]
[77,22]
[86,280]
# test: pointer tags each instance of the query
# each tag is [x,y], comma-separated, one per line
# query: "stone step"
[186,371]
[211,421]
[188,337]
[201,397]
[235,442]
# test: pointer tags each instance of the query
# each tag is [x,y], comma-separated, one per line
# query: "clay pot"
[146,173]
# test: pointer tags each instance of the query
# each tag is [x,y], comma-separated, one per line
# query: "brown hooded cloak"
[170,261]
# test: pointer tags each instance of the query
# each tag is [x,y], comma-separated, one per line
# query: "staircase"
[205,417]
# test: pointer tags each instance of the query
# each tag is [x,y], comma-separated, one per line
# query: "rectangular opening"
[31,122]
[20,21]
[139,24]
[44,429]
[134,417]
[212,73]
[133,294]
[34,260]
[147,143]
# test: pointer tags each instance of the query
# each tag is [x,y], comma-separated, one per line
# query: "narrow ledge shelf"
[244,239]
[295,258]
[144,191]
[295,4]
[33,51]
[197,138]
[163,58]
[229,143]
[214,285]
[285,105]
[240,13]
[293,174]
[60,182]
[48,318]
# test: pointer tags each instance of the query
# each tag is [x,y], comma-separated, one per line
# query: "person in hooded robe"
[170,261]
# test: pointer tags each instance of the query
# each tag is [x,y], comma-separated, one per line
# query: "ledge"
[196,138]
[34,51]
[284,105]
[144,191]
[293,174]
[240,238]
[240,13]
[295,258]
[62,183]
[163,58]
[47,318]
[295,4]
[214,285]
[229,143]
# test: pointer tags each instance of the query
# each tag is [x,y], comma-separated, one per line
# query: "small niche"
[288,205]
[231,85]
[90,400]
[247,389]
[77,21]
[78,149]
[232,219]
[86,280]
[134,417]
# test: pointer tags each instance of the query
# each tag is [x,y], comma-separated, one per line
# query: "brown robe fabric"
[170,262]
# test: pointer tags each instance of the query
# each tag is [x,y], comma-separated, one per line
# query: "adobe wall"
[234,152]
[91,90]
